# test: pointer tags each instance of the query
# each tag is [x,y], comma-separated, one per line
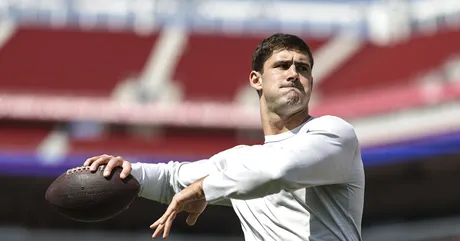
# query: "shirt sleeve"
[160,181]
[320,156]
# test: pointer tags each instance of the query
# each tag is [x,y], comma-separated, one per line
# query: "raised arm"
[320,157]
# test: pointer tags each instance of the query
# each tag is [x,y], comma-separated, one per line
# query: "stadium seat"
[68,61]
[22,136]
[383,66]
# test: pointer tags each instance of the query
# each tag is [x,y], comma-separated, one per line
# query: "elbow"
[282,175]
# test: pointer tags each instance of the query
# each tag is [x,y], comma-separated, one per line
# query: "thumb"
[191,219]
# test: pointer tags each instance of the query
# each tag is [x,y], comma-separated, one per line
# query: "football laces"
[82,168]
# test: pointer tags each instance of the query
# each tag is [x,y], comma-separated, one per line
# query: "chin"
[294,100]
[291,105]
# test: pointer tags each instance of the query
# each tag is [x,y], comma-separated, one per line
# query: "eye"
[302,68]
[283,65]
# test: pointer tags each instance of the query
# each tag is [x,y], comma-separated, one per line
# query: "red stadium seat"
[22,136]
[382,66]
[67,61]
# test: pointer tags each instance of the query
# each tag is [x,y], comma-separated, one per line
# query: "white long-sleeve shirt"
[304,184]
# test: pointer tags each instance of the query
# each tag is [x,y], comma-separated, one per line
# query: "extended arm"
[160,182]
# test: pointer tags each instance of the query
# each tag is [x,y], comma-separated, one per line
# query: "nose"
[292,74]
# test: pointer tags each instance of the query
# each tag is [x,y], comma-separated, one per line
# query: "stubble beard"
[293,100]
[287,105]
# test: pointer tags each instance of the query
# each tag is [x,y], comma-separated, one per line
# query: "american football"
[88,196]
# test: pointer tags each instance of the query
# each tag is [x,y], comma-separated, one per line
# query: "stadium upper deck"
[201,73]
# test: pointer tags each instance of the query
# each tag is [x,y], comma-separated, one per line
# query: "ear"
[255,79]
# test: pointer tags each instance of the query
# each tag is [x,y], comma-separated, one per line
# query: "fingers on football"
[103,159]
[90,160]
[111,164]
[126,169]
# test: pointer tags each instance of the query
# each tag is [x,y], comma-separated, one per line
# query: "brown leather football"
[88,196]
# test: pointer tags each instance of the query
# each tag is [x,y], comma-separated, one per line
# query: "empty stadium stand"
[89,62]
[76,62]
[398,64]
[70,61]
[22,136]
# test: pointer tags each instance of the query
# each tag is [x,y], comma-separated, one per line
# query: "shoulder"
[333,125]
[230,151]
[330,121]
[236,148]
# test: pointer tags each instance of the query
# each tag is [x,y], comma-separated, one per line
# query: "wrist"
[200,191]
[136,172]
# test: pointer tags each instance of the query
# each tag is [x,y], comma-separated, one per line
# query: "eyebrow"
[303,63]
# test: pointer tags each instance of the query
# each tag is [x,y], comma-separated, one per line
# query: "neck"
[273,123]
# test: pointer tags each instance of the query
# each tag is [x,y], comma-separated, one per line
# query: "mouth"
[288,86]
[289,89]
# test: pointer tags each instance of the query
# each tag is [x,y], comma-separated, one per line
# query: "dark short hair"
[277,42]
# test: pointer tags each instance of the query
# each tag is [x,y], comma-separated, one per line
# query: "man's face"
[286,81]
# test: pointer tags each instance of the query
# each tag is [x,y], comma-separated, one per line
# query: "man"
[306,182]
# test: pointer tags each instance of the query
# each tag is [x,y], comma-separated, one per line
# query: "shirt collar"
[287,134]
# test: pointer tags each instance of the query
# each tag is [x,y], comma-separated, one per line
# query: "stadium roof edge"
[378,20]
